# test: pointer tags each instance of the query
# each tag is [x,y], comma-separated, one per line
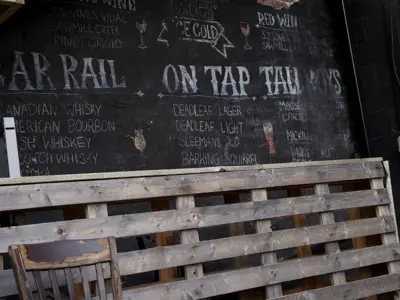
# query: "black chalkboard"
[110,85]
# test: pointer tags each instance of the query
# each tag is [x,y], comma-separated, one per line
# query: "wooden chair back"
[51,259]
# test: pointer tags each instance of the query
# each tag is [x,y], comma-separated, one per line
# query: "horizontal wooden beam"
[237,280]
[20,197]
[354,290]
[170,172]
[234,281]
[185,219]
[179,255]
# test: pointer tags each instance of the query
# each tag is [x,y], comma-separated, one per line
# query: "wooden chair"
[85,256]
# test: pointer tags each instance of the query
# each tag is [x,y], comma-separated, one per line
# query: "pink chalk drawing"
[269,136]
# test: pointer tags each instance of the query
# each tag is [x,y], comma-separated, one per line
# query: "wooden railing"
[359,189]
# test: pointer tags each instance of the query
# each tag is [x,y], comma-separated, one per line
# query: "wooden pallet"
[8,8]
[359,189]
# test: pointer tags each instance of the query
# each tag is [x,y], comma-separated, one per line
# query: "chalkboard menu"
[114,85]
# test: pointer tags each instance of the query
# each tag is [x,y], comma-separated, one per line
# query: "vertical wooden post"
[94,211]
[304,251]
[234,230]
[387,238]
[163,239]
[269,258]
[328,218]
[359,242]
[189,236]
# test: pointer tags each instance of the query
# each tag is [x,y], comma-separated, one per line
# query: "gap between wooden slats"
[174,220]
[233,281]
[264,226]
[333,247]
[354,290]
[387,238]
[177,255]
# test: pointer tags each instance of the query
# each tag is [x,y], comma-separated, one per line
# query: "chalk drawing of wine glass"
[141,26]
[245,27]
[268,129]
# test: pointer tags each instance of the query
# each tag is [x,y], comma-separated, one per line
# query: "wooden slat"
[115,272]
[173,220]
[303,251]
[70,283]
[164,257]
[387,238]
[333,247]
[39,284]
[237,280]
[169,172]
[93,211]
[354,290]
[88,192]
[390,192]
[85,283]
[267,258]
[54,285]
[100,282]
[189,236]
[20,273]
[163,239]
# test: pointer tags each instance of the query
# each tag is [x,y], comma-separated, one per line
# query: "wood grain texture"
[267,258]
[228,282]
[163,239]
[39,284]
[115,271]
[354,290]
[85,282]
[189,236]
[187,218]
[88,192]
[168,172]
[21,277]
[70,283]
[327,218]
[100,282]
[387,238]
[178,255]
[54,285]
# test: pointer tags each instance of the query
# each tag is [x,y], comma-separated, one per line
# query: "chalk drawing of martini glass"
[142,28]
[245,27]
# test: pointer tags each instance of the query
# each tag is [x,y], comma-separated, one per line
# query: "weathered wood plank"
[354,290]
[163,239]
[163,257]
[85,282]
[390,192]
[189,236]
[333,247]
[70,283]
[186,219]
[224,283]
[100,282]
[54,284]
[267,258]
[387,238]
[88,192]
[168,172]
